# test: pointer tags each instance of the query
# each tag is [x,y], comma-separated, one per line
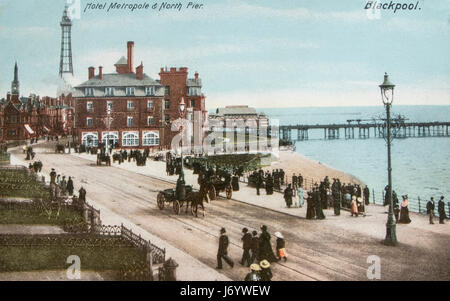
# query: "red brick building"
[130,109]
[22,118]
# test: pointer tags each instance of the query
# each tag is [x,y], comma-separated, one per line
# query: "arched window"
[110,137]
[90,139]
[130,139]
[150,138]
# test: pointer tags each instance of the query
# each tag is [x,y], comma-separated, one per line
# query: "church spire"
[15,82]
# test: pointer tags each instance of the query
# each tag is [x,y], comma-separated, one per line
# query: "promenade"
[333,249]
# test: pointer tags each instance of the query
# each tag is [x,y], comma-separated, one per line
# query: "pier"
[359,130]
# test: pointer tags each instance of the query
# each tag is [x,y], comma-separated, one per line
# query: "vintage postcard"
[224,140]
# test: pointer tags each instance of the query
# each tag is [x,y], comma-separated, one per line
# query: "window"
[11,119]
[167,90]
[110,138]
[109,91]
[150,138]
[192,103]
[130,139]
[89,121]
[167,104]
[130,91]
[90,139]
[150,104]
[167,119]
[150,120]
[149,91]
[89,91]
[90,106]
[193,91]
[109,106]
[130,105]
[130,121]
[12,133]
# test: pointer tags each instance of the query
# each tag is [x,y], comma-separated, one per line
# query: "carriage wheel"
[160,200]
[229,191]
[176,207]
[212,193]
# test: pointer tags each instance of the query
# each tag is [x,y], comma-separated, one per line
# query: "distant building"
[223,119]
[132,110]
[22,118]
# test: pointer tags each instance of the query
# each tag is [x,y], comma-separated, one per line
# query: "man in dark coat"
[441,210]
[254,248]
[53,176]
[282,176]
[366,193]
[430,209]
[246,246]
[259,181]
[222,252]
[265,248]
[288,196]
[70,186]
[82,196]
[335,193]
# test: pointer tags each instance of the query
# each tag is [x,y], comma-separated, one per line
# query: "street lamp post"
[181,189]
[387,95]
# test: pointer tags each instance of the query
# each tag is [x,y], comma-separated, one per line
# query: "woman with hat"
[265,248]
[254,273]
[266,272]
[404,211]
[281,251]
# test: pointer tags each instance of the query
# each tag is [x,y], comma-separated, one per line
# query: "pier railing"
[415,204]
[360,130]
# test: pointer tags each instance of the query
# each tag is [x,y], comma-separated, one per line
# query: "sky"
[262,53]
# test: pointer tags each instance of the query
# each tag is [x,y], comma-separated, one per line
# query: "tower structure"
[65,63]
[15,82]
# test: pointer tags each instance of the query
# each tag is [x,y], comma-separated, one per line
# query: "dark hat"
[223,230]
[254,233]
[264,227]
[244,230]
[442,197]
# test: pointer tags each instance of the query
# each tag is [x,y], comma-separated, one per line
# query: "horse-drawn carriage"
[59,149]
[102,156]
[219,183]
[194,199]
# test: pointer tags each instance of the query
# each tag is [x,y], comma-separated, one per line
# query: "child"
[281,251]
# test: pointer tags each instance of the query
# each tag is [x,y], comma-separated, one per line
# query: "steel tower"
[65,63]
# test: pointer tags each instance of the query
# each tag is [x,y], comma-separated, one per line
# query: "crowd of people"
[257,252]
[60,186]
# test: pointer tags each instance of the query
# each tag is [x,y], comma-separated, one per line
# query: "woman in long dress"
[354,206]
[404,211]
[265,248]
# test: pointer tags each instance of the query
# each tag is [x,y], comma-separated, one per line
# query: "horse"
[195,199]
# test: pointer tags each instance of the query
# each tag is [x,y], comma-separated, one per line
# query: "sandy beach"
[312,171]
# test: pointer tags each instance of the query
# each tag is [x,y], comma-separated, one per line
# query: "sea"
[420,166]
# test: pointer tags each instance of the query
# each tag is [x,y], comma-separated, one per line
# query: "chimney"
[100,72]
[91,72]
[140,72]
[130,56]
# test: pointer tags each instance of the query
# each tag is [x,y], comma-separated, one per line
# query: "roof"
[122,61]
[236,110]
[119,80]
